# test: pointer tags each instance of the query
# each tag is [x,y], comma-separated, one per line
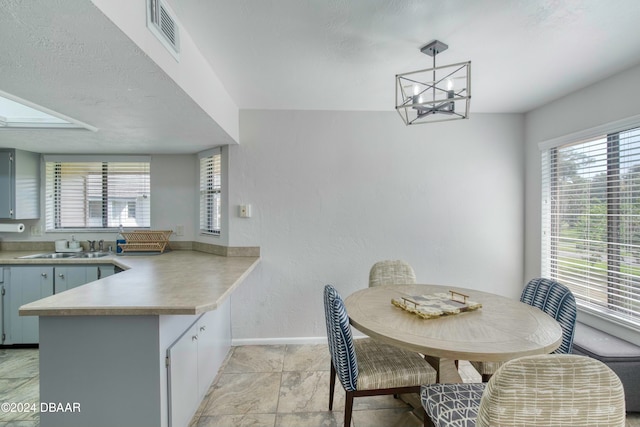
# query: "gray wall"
[333,192]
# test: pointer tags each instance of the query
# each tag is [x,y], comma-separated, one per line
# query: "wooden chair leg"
[486,377]
[332,385]
[348,408]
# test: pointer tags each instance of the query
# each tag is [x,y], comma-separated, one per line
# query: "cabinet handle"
[44,275]
[203,328]
[61,276]
[194,338]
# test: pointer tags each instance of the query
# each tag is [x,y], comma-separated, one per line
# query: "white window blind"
[591,222]
[97,194]
[210,193]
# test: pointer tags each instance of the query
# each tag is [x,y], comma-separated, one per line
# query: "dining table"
[501,329]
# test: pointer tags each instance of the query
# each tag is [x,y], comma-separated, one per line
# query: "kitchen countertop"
[177,282]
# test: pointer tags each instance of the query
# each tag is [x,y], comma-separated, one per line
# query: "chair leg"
[332,385]
[348,408]
[427,420]
[486,377]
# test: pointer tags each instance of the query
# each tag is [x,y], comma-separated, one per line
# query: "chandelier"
[436,94]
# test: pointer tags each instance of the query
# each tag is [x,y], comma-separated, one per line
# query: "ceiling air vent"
[161,22]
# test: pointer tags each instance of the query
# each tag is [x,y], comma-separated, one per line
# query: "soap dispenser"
[120,240]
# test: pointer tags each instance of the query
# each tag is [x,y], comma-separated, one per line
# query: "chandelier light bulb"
[449,84]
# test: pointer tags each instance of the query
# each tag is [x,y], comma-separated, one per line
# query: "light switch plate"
[245,211]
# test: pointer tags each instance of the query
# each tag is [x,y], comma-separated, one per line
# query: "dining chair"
[391,272]
[534,391]
[557,301]
[366,367]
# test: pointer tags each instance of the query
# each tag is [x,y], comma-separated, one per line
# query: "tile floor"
[258,386]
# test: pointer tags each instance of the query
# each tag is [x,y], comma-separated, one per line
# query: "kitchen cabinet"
[106,270]
[182,380]
[23,285]
[19,184]
[192,364]
[71,276]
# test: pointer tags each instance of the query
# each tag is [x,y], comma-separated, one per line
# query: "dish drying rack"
[145,241]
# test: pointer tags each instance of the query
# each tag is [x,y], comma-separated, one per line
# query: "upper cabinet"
[19,184]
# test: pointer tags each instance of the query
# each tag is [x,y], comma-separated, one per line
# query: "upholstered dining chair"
[557,301]
[366,367]
[391,272]
[534,391]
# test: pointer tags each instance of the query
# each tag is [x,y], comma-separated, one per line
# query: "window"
[86,194]
[210,189]
[591,222]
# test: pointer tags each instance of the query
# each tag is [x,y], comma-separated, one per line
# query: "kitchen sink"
[58,255]
[53,255]
[92,254]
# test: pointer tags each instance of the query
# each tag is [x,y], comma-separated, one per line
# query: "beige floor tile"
[307,358]
[633,419]
[308,392]
[398,417]
[234,394]
[240,420]
[33,423]
[310,419]
[255,358]
[19,363]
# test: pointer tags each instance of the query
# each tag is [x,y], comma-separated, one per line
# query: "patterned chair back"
[390,272]
[553,390]
[343,353]
[557,301]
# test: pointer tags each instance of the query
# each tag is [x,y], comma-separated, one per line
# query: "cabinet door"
[214,342]
[27,284]
[106,270]
[182,378]
[6,185]
[3,276]
[69,277]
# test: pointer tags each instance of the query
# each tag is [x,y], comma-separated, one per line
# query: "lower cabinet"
[72,276]
[24,284]
[182,360]
[193,361]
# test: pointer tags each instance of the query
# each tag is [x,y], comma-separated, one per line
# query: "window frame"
[607,134]
[53,183]
[210,192]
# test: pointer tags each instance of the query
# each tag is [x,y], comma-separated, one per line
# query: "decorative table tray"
[436,305]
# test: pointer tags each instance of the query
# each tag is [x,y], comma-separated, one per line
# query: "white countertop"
[177,282]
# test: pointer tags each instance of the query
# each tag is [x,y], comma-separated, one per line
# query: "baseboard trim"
[278,341]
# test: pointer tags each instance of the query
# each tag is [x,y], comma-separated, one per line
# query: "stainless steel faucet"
[92,245]
[101,245]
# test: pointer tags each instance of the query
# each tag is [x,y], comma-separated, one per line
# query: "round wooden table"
[501,330]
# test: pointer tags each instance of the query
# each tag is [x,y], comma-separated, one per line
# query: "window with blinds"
[591,222]
[97,194]
[210,193]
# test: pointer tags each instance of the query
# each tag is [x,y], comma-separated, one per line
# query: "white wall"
[192,73]
[610,100]
[333,192]
[174,200]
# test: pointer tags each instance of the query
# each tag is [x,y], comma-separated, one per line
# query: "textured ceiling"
[344,54]
[67,56]
[297,54]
